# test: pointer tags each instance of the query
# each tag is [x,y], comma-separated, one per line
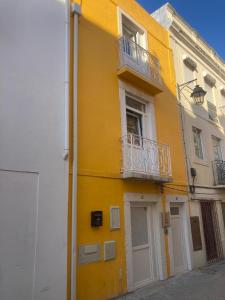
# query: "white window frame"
[142,38]
[149,128]
[185,66]
[140,126]
[201,143]
[206,85]
[134,112]
[220,145]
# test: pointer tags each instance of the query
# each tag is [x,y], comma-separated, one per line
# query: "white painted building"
[203,128]
[33,168]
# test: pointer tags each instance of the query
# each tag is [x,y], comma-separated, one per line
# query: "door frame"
[149,124]
[155,201]
[182,201]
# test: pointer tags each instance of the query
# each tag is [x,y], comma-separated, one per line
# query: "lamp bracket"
[183,85]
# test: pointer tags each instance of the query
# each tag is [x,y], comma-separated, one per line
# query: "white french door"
[217,148]
[178,242]
[142,245]
[142,150]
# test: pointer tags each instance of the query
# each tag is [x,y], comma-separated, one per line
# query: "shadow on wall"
[209,120]
[99,99]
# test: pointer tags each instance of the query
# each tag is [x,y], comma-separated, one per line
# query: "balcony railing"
[219,172]
[144,158]
[136,57]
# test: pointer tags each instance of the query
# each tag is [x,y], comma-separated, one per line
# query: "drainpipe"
[183,134]
[66,83]
[76,11]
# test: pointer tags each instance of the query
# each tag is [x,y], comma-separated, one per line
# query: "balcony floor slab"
[140,176]
[129,74]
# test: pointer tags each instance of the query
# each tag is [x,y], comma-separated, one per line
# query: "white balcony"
[144,158]
[139,66]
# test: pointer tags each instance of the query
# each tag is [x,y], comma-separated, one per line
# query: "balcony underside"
[136,78]
[140,176]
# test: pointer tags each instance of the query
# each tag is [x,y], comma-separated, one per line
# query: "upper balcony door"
[130,41]
[136,64]
[134,42]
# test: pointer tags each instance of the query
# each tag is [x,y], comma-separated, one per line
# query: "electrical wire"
[185,191]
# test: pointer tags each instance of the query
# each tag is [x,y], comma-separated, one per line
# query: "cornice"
[190,43]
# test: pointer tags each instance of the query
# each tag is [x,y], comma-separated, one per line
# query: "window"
[222,93]
[188,75]
[197,142]
[132,32]
[216,142]
[209,93]
[222,100]
[196,233]
[174,211]
[223,211]
[130,40]
[212,111]
[134,123]
[135,113]
[133,37]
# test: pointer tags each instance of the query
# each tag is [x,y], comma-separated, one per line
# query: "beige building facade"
[203,133]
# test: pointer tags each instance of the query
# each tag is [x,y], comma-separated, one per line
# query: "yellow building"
[132,208]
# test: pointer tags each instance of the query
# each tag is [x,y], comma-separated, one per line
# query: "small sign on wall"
[114,217]
[88,253]
[196,233]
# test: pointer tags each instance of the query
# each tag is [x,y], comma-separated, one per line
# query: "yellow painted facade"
[100,184]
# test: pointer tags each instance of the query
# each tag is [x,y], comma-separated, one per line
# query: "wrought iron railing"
[219,172]
[145,156]
[138,58]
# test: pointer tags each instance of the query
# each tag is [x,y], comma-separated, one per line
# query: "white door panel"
[18,209]
[141,267]
[142,245]
[179,257]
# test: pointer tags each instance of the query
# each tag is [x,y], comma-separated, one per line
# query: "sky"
[206,17]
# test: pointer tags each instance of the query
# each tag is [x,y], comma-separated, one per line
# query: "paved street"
[206,283]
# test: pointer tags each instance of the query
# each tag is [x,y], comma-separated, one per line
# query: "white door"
[142,245]
[177,228]
[142,151]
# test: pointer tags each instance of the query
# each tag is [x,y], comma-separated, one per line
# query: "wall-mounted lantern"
[197,93]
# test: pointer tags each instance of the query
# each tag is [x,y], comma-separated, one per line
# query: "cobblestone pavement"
[207,283]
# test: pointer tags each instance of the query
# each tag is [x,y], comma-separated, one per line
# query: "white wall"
[33,175]
[197,116]
[186,43]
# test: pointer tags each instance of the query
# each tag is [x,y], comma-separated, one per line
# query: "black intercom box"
[96,218]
